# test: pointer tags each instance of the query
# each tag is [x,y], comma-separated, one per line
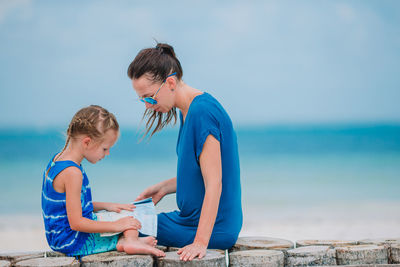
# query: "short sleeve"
[206,124]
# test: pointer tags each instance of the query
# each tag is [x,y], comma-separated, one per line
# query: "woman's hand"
[117,207]
[192,251]
[127,223]
[154,191]
[158,191]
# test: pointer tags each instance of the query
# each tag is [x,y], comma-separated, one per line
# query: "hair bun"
[165,48]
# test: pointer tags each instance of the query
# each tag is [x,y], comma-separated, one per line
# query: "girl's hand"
[127,223]
[116,207]
[154,191]
[192,251]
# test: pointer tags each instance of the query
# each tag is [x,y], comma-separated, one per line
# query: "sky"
[267,62]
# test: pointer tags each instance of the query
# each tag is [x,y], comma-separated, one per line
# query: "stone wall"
[248,251]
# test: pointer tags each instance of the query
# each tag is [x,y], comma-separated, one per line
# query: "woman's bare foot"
[138,247]
[149,240]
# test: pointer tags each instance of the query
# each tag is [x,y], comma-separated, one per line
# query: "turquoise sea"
[282,167]
[298,182]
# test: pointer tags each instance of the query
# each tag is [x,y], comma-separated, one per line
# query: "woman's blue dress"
[178,228]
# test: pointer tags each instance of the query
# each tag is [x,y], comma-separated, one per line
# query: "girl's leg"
[120,244]
[132,244]
[150,240]
[133,236]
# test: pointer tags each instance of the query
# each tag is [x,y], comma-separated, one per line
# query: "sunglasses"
[150,99]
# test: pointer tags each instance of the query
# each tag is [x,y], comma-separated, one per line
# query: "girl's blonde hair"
[93,121]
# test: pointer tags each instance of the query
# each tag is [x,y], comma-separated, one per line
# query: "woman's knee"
[223,241]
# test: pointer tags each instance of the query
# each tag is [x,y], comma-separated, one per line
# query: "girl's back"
[59,234]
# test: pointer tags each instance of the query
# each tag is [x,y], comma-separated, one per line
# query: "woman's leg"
[172,234]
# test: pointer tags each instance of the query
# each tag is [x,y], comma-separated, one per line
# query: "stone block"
[260,242]
[368,265]
[117,259]
[311,255]
[212,259]
[330,243]
[380,241]
[257,258]
[362,254]
[394,253]
[49,261]
[54,254]
[19,256]
[170,249]
[163,248]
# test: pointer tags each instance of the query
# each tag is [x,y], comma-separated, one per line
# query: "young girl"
[67,207]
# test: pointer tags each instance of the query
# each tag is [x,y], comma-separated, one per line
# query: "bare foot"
[120,244]
[149,240]
[138,247]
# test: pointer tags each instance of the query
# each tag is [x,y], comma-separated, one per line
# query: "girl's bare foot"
[138,247]
[149,240]
[120,244]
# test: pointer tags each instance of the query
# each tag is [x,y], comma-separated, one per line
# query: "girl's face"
[95,151]
[144,87]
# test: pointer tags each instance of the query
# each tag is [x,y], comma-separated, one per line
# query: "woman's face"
[145,87]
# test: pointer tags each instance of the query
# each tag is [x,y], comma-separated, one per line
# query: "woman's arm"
[211,169]
[72,181]
[158,191]
[169,186]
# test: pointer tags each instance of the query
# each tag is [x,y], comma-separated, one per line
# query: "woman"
[207,184]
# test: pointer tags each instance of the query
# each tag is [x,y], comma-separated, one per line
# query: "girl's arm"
[72,180]
[211,169]
[116,207]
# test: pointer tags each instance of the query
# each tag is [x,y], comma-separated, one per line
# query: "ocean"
[290,176]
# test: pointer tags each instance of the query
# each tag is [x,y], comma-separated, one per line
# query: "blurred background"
[312,88]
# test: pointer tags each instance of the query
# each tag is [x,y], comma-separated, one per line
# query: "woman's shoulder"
[206,104]
[206,108]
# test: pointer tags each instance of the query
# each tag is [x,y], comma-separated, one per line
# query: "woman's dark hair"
[157,62]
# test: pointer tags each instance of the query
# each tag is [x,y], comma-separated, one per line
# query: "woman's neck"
[184,97]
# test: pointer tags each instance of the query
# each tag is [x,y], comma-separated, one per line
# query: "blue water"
[280,166]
